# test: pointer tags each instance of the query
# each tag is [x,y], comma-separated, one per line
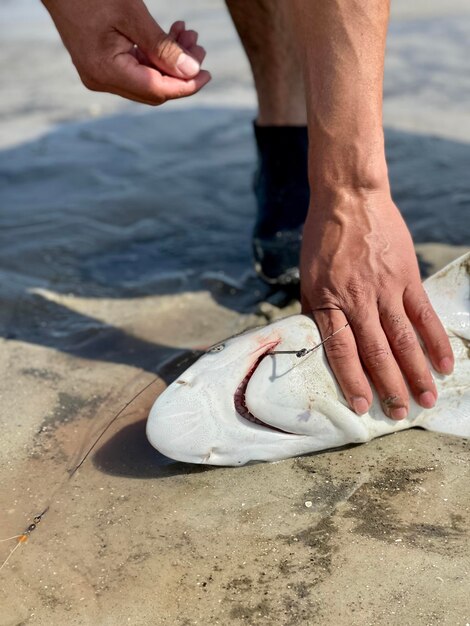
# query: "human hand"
[358,265]
[117,47]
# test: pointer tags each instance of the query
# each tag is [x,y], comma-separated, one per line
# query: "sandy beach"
[125,250]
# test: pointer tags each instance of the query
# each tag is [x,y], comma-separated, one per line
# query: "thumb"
[162,50]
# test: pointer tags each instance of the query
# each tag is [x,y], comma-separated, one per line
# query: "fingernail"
[360,405]
[446,366]
[427,399]
[398,413]
[187,65]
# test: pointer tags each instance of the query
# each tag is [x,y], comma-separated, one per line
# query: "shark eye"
[218,348]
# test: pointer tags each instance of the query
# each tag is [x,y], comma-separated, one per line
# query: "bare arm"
[118,47]
[358,263]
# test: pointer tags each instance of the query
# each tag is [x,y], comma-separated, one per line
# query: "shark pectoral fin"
[451,415]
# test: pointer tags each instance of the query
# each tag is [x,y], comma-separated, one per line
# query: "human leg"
[265,30]
[281,184]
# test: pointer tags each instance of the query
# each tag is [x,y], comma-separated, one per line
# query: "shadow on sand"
[128,453]
[160,203]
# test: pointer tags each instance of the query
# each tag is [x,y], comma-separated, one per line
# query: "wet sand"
[125,250]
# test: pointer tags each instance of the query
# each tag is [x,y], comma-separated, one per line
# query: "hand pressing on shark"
[359,266]
[257,397]
[117,47]
[358,263]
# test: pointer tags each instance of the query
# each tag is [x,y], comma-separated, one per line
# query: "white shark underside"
[239,403]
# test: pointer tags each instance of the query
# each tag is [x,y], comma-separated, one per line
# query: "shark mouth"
[239,396]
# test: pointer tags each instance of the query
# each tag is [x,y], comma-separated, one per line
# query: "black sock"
[281,181]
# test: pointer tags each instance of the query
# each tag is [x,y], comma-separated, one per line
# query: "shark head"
[262,396]
[202,417]
[257,396]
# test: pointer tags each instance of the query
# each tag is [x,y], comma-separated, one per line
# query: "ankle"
[283,147]
[278,119]
[281,113]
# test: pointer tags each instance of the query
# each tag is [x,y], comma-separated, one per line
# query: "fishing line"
[107,427]
[304,351]
[23,537]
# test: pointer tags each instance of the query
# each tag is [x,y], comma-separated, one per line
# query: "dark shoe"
[282,195]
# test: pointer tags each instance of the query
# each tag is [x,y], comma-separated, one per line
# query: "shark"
[266,395]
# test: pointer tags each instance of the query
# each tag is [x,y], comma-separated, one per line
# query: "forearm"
[358,264]
[343,47]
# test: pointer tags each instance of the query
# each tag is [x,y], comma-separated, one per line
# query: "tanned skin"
[358,262]
[101,37]
[266,30]
[321,62]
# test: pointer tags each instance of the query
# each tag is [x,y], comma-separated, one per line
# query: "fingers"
[390,352]
[144,84]
[370,343]
[344,360]
[161,48]
[425,320]
[133,75]
[379,361]
[185,38]
[198,52]
[409,355]
[181,88]
[188,40]
[176,29]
